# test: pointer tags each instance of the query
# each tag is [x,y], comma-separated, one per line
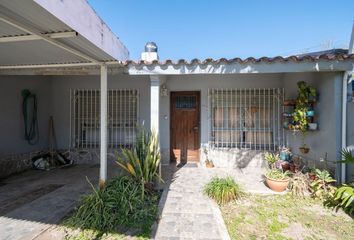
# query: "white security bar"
[246,118]
[122,118]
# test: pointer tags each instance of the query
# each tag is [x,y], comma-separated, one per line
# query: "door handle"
[195,128]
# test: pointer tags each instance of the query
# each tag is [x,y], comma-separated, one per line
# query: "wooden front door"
[185,126]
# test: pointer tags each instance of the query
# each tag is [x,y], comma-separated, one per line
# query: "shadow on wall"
[242,159]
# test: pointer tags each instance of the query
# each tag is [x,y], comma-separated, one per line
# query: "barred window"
[122,117]
[246,118]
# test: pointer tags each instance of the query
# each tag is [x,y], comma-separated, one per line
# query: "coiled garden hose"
[29,111]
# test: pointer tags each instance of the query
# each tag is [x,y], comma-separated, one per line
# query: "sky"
[228,28]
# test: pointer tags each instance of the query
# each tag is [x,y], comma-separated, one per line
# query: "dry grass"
[282,217]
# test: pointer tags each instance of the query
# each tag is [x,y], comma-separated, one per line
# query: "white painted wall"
[11,120]
[350,138]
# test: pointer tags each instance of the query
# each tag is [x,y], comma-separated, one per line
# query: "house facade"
[227,110]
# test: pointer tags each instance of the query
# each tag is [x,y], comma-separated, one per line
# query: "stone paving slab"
[184,211]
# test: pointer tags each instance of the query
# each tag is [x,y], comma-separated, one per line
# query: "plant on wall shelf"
[306,93]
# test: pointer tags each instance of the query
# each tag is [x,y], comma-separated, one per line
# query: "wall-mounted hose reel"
[30,118]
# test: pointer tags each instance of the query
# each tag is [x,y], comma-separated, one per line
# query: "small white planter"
[313,126]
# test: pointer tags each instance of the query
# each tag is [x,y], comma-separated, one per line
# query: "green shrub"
[142,162]
[345,197]
[223,190]
[322,187]
[118,204]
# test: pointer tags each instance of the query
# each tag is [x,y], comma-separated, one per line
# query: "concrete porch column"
[103,127]
[155,108]
[154,103]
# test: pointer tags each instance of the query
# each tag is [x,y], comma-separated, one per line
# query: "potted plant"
[208,163]
[276,179]
[285,153]
[304,149]
[288,102]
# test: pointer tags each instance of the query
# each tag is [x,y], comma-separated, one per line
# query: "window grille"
[246,118]
[123,117]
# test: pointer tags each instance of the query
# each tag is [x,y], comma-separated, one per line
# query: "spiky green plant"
[271,158]
[347,156]
[223,190]
[118,204]
[345,197]
[277,174]
[142,161]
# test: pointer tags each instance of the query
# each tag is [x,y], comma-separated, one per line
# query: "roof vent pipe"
[150,53]
[150,47]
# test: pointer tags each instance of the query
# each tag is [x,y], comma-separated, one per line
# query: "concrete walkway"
[33,201]
[185,213]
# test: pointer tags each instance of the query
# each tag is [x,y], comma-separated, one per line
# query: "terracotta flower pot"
[304,150]
[209,164]
[312,176]
[277,185]
[285,166]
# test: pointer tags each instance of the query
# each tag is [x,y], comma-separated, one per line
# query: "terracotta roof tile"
[330,55]
[293,58]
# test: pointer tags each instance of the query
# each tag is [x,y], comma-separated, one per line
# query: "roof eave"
[80,16]
[225,67]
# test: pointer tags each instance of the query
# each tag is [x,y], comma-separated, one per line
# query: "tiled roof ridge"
[292,58]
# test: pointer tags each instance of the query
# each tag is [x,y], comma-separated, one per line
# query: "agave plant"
[322,187]
[142,161]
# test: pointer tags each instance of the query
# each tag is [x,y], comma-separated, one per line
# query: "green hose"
[29,110]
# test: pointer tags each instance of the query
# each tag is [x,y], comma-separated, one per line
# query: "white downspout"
[344,108]
[103,127]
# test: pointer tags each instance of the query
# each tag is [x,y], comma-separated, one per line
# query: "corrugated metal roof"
[35,16]
[34,52]
[7,30]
